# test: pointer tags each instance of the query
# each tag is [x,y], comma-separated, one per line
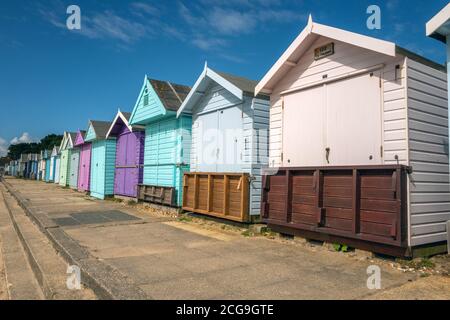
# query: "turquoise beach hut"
[167,140]
[103,158]
[47,157]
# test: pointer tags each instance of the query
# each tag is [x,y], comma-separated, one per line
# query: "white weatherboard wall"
[348,59]
[428,152]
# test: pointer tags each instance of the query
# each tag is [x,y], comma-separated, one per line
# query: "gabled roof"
[100,128]
[303,42]
[171,95]
[312,32]
[122,118]
[55,151]
[79,140]
[439,26]
[68,140]
[237,86]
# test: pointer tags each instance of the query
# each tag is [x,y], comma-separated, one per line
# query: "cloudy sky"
[53,79]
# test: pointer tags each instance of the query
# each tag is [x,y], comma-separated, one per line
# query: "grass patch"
[422,263]
[341,247]
[185,218]
[247,233]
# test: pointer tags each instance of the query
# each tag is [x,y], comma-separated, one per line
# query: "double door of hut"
[73,168]
[221,142]
[336,124]
[129,159]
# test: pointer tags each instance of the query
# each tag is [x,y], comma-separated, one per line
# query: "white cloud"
[243,18]
[24,138]
[3,147]
[141,8]
[208,43]
[228,21]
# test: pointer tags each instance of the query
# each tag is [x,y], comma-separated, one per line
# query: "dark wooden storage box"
[364,207]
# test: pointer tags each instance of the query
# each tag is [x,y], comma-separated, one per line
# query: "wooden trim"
[356,194]
[210,194]
[225,195]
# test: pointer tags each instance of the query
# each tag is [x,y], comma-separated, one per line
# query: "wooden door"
[354,128]
[131,164]
[229,156]
[207,142]
[74,163]
[304,115]
[121,152]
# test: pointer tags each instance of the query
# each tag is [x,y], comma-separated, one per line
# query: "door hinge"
[282,155]
[381,151]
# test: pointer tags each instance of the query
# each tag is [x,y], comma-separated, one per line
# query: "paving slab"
[17,276]
[170,259]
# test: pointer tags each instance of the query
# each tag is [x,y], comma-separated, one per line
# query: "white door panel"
[354,121]
[303,128]
[336,124]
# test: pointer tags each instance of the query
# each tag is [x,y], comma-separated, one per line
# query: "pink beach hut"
[84,169]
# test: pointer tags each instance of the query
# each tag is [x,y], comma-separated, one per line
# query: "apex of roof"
[171,95]
[101,128]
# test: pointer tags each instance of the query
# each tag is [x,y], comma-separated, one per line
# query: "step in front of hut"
[222,195]
[364,207]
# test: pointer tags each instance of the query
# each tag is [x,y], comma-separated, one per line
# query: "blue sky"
[53,79]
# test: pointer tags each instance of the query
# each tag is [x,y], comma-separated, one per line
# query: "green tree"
[47,143]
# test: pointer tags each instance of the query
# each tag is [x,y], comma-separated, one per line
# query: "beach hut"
[57,161]
[42,165]
[359,140]
[47,159]
[167,140]
[84,170]
[53,161]
[11,168]
[129,155]
[230,127]
[34,168]
[74,163]
[103,157]
[66,156]
[22,166]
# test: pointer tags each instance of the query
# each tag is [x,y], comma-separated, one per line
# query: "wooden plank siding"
[428,152]
[167,153]
[347,59]
[222,195]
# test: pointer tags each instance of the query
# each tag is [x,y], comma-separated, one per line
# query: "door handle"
[327,154]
